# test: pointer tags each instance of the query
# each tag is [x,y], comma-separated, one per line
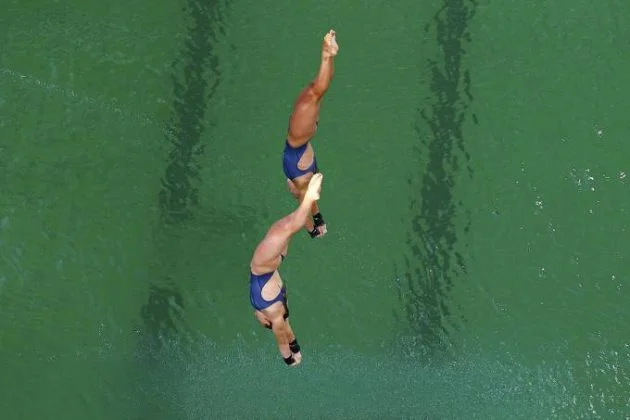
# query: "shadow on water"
[195,76]
[432,263]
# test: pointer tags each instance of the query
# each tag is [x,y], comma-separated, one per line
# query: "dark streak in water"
[194,76]
[433,263]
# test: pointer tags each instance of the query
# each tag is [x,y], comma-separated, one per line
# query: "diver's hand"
[298,358]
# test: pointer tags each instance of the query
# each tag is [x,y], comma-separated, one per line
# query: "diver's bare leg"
[276,241]
[305,114]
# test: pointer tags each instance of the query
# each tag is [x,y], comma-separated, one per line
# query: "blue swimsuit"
[256,284]
[291,158]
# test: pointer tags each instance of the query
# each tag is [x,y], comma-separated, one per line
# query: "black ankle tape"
[294,346]
[318,220]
